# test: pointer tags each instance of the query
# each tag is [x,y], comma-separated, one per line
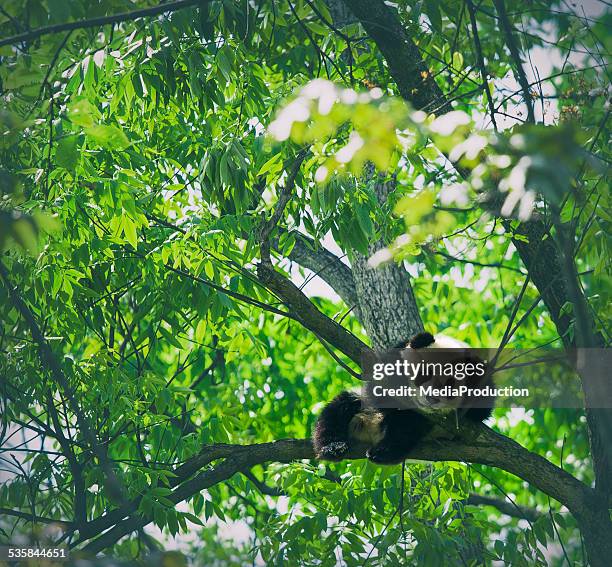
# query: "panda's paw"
[383,455]
[334,451]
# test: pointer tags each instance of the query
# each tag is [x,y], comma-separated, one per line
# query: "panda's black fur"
[388,434]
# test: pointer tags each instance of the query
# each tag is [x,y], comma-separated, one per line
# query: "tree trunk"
[596,529]
[386,301]
[387,305]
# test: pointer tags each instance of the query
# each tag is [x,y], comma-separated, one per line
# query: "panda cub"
[389,434]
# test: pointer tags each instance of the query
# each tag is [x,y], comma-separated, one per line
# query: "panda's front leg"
[331,434]
[403,430]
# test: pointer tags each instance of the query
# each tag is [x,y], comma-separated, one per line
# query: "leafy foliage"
[135,174]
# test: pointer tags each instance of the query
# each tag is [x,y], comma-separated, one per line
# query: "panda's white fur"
[428,405]
[365,427]
[444,341]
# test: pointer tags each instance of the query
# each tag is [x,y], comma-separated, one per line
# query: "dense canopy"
[211,208]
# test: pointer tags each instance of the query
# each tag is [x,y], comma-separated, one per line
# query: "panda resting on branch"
[389,434]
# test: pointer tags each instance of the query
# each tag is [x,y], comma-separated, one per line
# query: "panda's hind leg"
[403,430]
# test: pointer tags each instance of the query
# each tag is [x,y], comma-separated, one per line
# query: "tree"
[159,340]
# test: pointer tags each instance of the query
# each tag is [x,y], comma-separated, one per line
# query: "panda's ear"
[422,340]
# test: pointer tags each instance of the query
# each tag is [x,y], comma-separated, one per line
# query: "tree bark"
[328,267]
[595,527]
[304,311]
[388,308]
[410,73]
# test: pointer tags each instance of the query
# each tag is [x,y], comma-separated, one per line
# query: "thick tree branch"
[326,265]
[302,309]
[409,71]
[307,314]
[483,446]
[100,21]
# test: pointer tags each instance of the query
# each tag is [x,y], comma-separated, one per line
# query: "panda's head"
[427,340]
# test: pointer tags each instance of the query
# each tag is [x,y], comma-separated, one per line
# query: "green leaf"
[67,152]
[90,75]
[170,337]
[225,62]
[83,113]
[271,164]
[109,137]
[363,218]
[224,170]
[457,61]
[129,231]
[193,518]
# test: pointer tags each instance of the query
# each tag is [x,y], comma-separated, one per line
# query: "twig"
[284,197]
[27,516]
[554,525]
[45,82]
[508,508]
[475,263]
[322,54]
[100,21]
[522,78]
[506,495]
[481,63]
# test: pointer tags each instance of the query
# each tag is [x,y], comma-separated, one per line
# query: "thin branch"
[13,19]
[554,525]
[262,486]
[481,63]
[322,54]
[284,196]
[475,263]
[100,21]
[522,78]
[505,507]
[235,295]
[51,363]
[35,519]
[58,51]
